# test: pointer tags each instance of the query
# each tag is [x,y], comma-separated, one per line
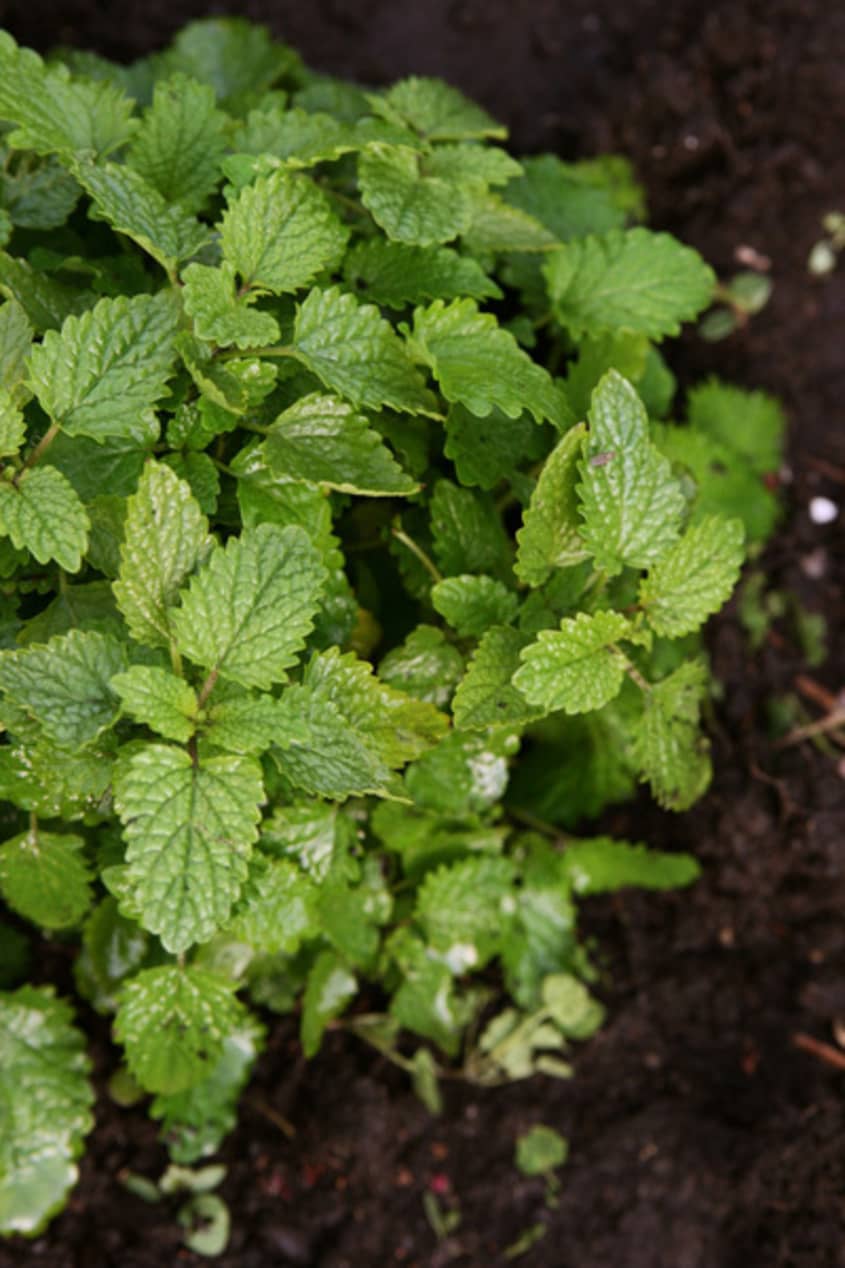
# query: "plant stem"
[207,688]
[40,449]
[401,536]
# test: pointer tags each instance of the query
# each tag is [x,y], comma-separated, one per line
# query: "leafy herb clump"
[348,563]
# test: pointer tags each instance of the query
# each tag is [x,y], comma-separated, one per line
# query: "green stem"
[38,452]
[401,536]
[274,350]
[175,659]
[207,688]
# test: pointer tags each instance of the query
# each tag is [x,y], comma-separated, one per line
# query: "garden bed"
[701,1136]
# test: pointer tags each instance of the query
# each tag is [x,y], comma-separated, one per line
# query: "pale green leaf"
[630,502]
[247,612]
[166,536]
[330,987]
[409,205]
[628,280]
[158,699]
[426,1001]
[540,1151]
[298,137]
[278,908]
[462,910]
[45,1107]
[486,695]
[425,665]
[305,832]
[354,351]
[472,604]
[498,227]
[694,578]
[464,774]
[435,110]
[38,195]
[324,440]
[220,316]
[173,1023]
[12,425]
[64,685]
[249,723]
[331,761]
[200,474]
[395,274]
[748,423]
[550,536]
[602,866]
[103,370]
[467,162]
[481,365]
[668,746]
[281,232]
[189,828]
[15,343]
[44,877]
[180,141]
[43,514]
[577,667]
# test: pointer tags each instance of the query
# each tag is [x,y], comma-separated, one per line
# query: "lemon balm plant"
[349,567]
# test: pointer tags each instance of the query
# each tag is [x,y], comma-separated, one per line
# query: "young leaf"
[324,440]
[668,746]
[630,503]
[44,877]
[602,865]
[43,514]
[481,365]
[550,536]
[180,141]
[395,274]
[47,1099]
[426,1001]
[461,909]
[486,695]
[159,700]
[627,280]
[103,370]
[189,828]
[576,668]
[245,616]
[330,987]
[249,723]
[64,685]
[694,578]
[472,604]
[280,232]
[220,316]
[354,351]
[166,536]
[436,111]
[173,1023]
[409,205]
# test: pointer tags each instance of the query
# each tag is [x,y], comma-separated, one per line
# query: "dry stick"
[816,692]
[832,722]
[824,1051]
[284,1125]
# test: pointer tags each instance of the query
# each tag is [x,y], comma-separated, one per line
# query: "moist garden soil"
[702,1136]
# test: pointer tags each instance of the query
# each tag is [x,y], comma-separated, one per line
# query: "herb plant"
[349,567]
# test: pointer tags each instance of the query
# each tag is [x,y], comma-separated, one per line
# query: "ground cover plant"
[349,561]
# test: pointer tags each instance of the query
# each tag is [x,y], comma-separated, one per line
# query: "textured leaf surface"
[330,987]
[557,195]
[189,830]
[671,752]
[461,909]
[45,302]
[236,57]
[281,232]
[486,696]
[278,909]
[102,370]
[395,274]
[550,536]
[628,280]
[481,365]
[166,535]
[64,685]
[472,604]
[467,531]
[220,316]
[45,1106]
[12,426]
[15,343]
[576,668]
[436,111]
[487,450]
[173,1023]
[247,613]
[410,206]
[158,699]
[425,665]
[180,141]
[354,351]
[630,502]
[695,578]
[44,877]
[324,440]
[602,865]
[43,514]
[249,723]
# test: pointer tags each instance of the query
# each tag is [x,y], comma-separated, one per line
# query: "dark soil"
[702,1137]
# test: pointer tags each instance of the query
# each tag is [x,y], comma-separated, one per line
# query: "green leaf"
[55,114]
[166,536]
[576,668]
[38,196]
[550,536]
[12,426]
[602,866]
[200,474]
[323,440]
[15,343]
[464,774]
[189,828]
[462,908]
[134,207]
[354,351]
[173,1023]
[571,1006]
[221,316]
[103,370]
[472,604]
[558,195]
[668,746]
[249,723]
[694,578]
[45,302]
[481,365]
[278,908]
[42,514]
[540,1151]
[64,685]
[627,280]
[630,502]
[45,1107]
[410,206]
[487,450]
[44,877]
[180,142]
[236,57]
[426,1001]
[487,696]
[425,665]
[298,137]
[435,110]
[281,232]
[330,987]
[159,700]
[467,532]
[395,274]
[113,946]
[748,423]
[247,612]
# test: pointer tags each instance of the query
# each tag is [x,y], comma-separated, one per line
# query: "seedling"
[539,1153]
[204,1217]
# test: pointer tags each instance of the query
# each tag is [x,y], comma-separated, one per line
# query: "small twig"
[824,1051]
[814,691]
[822,726]
[826,468]
[284,1124]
